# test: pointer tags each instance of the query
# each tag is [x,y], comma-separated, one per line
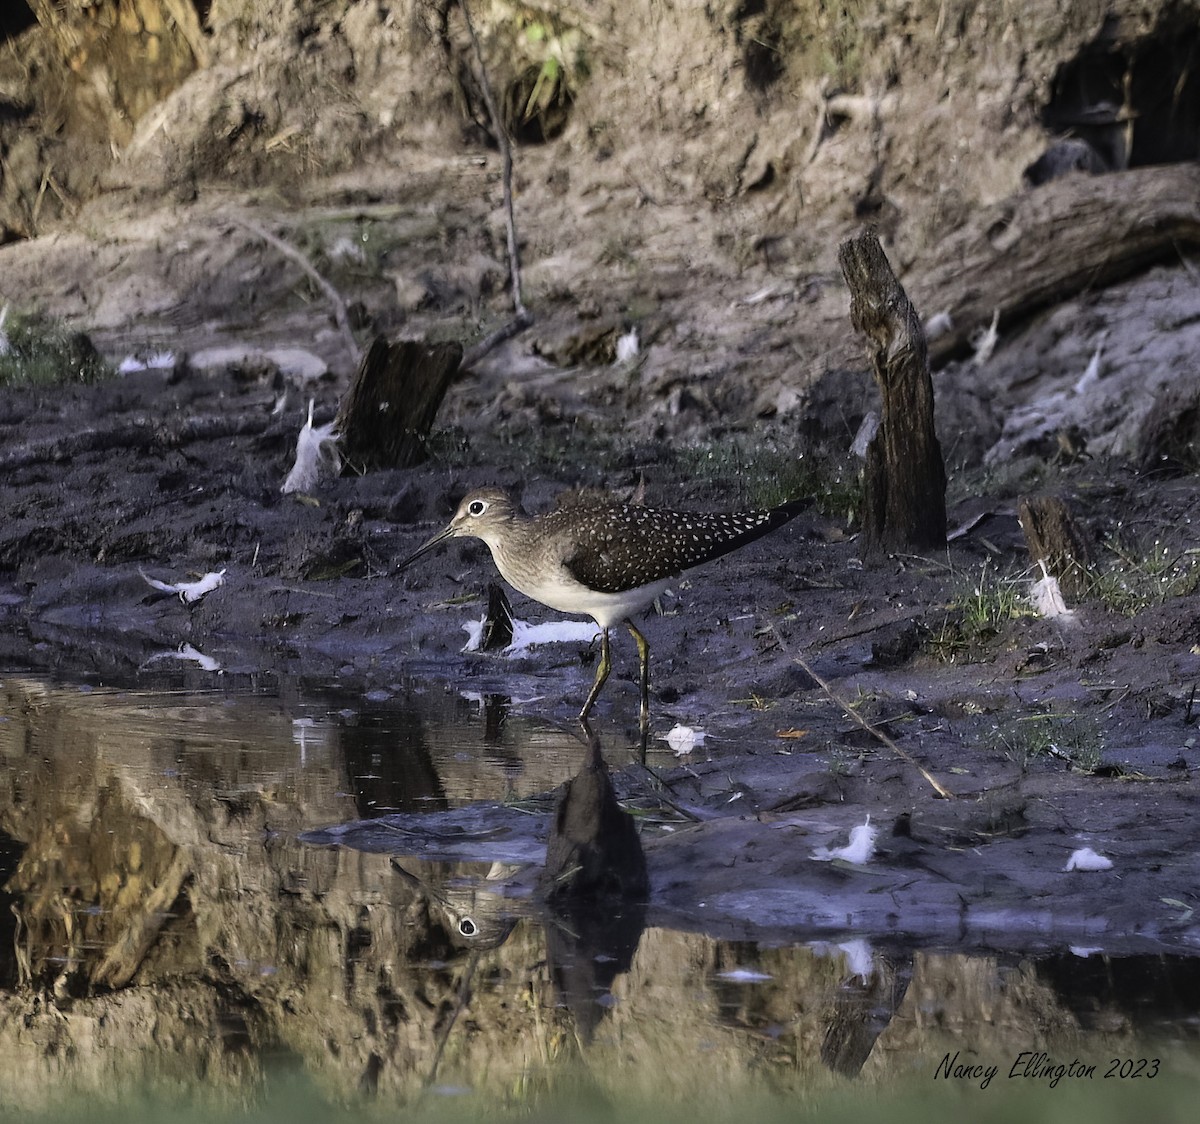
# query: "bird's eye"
[477,507]
[466,926]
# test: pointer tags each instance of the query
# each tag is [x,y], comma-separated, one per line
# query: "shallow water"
[166,929]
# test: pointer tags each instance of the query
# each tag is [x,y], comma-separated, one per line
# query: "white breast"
[558,590]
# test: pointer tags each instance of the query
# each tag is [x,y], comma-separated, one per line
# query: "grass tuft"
[35,351]
[978,614]
[1142,578]
[1067,737]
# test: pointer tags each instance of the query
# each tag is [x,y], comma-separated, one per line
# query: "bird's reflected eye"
[466,926]
[477,507]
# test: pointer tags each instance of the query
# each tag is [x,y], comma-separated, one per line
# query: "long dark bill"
[437,539]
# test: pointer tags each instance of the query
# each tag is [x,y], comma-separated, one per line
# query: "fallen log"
[1047,245]
[138,435]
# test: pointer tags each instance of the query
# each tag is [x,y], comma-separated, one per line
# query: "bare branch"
[853,714]
[522,319]
[494,339]
[132,435]
[340,313]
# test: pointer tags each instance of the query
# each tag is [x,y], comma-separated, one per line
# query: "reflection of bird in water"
[594,852]
[595,886]
[601,558]
[472,915]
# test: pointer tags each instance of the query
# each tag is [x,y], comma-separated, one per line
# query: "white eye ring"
[477,507]
[466,926]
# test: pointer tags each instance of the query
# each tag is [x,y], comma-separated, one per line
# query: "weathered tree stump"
[386,415]
[905,504]
[1055,538]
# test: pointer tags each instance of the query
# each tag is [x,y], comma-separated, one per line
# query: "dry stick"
[340,313]
[873,625]
[464,990]
[522,319]
[493,340]
[938,787]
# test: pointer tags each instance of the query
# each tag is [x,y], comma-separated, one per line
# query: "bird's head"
[483,514]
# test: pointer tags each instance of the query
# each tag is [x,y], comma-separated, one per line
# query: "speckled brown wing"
[622,548]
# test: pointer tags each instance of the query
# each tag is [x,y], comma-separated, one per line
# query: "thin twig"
[340,313]
[494,339]
[464,991]
[937,786]
[883,620]
[523,319]
[36,210]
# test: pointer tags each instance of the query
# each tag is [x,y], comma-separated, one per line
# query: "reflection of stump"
[389,409]
[863,1008]
[1055,537]
[905,505]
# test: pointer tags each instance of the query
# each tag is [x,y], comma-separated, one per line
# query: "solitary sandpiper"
[602,558]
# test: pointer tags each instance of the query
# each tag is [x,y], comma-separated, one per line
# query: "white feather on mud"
[938,325]
[628,346]
[683,739]
[1091,374]
[1048,599]
[1086,859]
[314,445]
[526,635]
[189,592]
[860,849]
[154,361]
[984,340]
[188,654]
[766,293]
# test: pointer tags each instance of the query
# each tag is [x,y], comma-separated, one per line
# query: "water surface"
[165,928]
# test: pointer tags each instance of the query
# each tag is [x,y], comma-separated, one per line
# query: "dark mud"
[1051,736]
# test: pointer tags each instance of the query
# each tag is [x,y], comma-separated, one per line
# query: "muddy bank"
[1052,736]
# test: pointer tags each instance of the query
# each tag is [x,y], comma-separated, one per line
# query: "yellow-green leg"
[601,674]
[644,657]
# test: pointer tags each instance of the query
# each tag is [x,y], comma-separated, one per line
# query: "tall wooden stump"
[387,413]
[905,476]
